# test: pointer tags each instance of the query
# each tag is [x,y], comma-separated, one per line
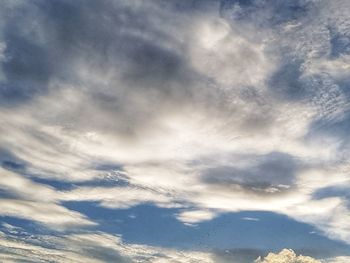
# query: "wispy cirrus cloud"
[19,246]
[211,107]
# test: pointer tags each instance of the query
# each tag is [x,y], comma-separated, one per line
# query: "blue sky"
[175,131]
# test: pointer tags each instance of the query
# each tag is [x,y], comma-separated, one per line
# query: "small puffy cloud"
[250,219]
[286,256]
[195,216]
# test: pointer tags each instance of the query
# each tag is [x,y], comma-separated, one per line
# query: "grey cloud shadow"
[150,65]
[106,254]
[74,32]
[237,255]
[269,174]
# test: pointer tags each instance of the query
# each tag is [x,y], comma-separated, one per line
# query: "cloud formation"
[208,106]
[289,256]
[19,246]
[286,256]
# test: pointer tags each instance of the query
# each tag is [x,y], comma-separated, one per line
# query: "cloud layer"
[208,106]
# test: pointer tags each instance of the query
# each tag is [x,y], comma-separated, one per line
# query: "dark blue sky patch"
[10,165]
[288,10]
[6,194]
[150,225]
[11,162]
[27,227]
[66,186]
[287,83]
[336,128]
[108,167]
[340,43]
[57,184]
[343,83]
[266,13]
[332,191]
[26,61]
[145,224]
[192,6]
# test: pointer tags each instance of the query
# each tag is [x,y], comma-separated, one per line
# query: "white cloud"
[286,256]
[37,202]
[289,256]
[49,214]
[91,248]
[218,47]
[22,187]
[195,216]
[197,103]
[250,219]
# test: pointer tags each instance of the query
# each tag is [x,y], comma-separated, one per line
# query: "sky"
[175,131]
